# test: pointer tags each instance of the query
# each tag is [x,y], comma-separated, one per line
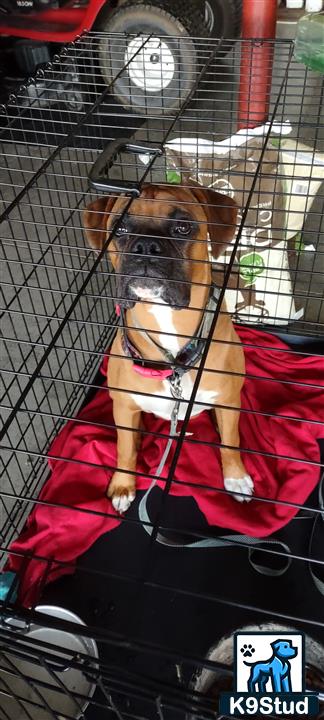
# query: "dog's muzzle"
[152,269]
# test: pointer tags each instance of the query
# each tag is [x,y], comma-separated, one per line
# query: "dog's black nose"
[146,246]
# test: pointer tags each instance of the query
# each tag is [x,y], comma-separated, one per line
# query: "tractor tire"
[155,78]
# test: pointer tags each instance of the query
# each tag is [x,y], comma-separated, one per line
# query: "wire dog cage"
[155,593]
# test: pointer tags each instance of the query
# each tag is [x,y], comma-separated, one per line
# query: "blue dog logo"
[277,669]
[273,687]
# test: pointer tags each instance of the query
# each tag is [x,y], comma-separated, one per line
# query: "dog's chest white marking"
[163,315]
[162,403]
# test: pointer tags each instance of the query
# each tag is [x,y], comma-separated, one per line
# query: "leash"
[224,541]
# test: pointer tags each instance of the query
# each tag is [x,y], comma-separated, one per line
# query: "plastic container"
[309,44]
[294,4]
[314,5]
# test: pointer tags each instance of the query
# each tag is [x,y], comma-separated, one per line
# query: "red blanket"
[65,533]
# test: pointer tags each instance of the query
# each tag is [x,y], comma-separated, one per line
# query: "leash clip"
[175,383]
[174,419]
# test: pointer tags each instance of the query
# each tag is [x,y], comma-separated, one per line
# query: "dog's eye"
[183,228]
[120,230]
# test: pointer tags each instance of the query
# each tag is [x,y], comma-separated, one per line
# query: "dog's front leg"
[276,682]
[236,478]
[286,684]
[122,485]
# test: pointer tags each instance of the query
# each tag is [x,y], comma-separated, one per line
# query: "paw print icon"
[247,650]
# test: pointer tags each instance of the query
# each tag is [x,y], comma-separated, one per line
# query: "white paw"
[240,485]
[121,503]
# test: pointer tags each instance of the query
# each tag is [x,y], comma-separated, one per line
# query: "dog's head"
[284,649]
[160,246]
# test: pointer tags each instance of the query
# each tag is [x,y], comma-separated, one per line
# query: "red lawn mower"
[41,23]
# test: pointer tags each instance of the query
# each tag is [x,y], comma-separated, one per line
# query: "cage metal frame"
[23,118]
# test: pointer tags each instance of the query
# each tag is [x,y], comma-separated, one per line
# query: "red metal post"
[259,23]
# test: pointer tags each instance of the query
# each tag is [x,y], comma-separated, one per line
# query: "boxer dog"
[160,254]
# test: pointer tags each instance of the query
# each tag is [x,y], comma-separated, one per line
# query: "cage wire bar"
[58,320]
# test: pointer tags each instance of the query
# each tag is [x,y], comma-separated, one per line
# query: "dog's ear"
[276,644]
[95,218]
[221,213]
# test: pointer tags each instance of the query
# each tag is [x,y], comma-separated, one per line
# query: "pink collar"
[151,372]
[147,371]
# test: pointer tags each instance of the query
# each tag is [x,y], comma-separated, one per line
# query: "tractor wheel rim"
[153,68]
